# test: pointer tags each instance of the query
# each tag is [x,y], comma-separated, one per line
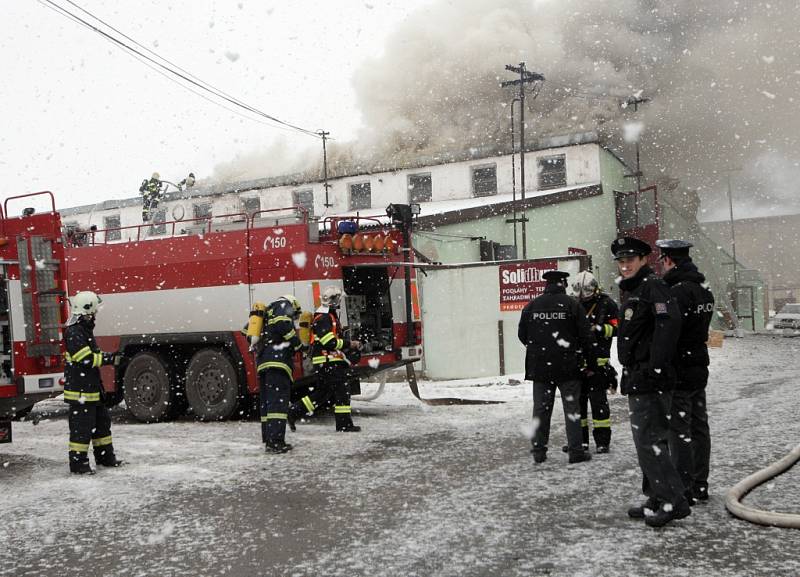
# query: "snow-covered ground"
[444,491]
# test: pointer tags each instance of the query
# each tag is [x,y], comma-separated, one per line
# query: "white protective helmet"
[585,285]
[84,303]
[331,296]
[156,176]
[295,304]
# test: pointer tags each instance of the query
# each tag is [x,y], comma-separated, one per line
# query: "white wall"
[449,182]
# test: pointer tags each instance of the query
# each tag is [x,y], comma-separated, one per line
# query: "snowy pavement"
[427,491]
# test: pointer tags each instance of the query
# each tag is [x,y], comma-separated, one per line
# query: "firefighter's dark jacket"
[279,340]
[327,344]
[649,326]
[554,329]
[696,303]
[603,313]
[150,187]
[82,382]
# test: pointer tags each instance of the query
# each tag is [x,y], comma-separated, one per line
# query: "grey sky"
[85,120]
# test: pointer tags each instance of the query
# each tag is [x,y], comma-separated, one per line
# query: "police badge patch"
[628,314]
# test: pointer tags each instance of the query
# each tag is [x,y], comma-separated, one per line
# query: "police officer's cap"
[555,276]
[674,247]
[629,246]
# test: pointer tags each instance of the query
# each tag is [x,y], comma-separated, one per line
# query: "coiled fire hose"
[759,516]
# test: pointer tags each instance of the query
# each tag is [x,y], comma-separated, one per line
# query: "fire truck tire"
[147,389]
[212,385]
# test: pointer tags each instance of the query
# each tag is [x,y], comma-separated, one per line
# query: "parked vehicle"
[788,317]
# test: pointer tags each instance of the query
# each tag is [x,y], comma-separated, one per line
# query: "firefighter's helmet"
[585,285]
[85,303]
[156,176]
[295,304]
[331,296]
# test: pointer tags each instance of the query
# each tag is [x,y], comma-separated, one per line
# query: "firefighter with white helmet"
[151,194]
[89,419]
[602,312]
[328,356]
[273,337]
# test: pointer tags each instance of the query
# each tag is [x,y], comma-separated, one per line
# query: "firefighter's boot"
[344,422]
[640,511]
[277,447]
[79,463]
[105,457]
[668,513]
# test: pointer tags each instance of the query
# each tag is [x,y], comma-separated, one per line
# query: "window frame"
[475,168]
[296,199]
[158,227]
[112,234]
[411,198]
[541,162]
[350,187]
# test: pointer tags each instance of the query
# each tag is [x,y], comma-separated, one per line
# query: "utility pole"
[514,218]
[525,77]
[324,136]
[733,249]
[635,101]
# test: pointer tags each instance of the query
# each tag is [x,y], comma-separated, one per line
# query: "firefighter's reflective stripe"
[80,355]
[275,365]
[602,362]
[602,423]
[289,335]
[102,441]
[274,417]
[341,409]
[308,404]
[335,357]
[608,331]
[79,447]
[98,360]
[278,319]
[584,422]
[327,337]
[81,397]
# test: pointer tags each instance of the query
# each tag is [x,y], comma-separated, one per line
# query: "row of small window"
[552,172]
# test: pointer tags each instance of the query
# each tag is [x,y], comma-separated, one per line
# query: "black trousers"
[274,390]
[149,204]
[331,383]
[89,423]
[650,427]
[690,439]
[595,393]
[543,400]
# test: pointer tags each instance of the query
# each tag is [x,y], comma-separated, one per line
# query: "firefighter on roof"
[328,356]
[602,312]
[89,419]
[151,194]
[272,335]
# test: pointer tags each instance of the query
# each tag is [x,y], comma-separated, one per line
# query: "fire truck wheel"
[146,386]
[212,386]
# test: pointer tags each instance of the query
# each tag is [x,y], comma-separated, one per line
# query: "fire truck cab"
[33,310]
[177,294]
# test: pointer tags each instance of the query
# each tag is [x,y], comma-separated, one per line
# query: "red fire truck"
[32,310]
[177,294]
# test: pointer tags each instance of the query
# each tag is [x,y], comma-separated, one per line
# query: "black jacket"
[278,338]
[649,326]
[327,344]
[82,382]
[557,335]
[602,313]
[696,303]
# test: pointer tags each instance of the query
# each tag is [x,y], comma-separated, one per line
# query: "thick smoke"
[722,79]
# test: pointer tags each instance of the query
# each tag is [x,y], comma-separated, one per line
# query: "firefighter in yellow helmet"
[89,419]
[328,356]
[275,341]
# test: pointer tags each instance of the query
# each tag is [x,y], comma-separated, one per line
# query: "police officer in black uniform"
[557,335]
[602,313]
[690,439]
[648,331]
[89,419]
[276,350]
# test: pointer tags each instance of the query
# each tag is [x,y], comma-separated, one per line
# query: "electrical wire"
[176,71]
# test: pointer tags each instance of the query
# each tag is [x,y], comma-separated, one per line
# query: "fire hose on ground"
[737,493]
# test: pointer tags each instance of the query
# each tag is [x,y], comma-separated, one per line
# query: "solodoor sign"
[521,282]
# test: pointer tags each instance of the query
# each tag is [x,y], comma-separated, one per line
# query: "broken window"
[552,171]
[484,180]
[360,196]
[304,198]
[420,188]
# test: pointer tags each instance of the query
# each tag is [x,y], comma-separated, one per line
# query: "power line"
[180,73]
